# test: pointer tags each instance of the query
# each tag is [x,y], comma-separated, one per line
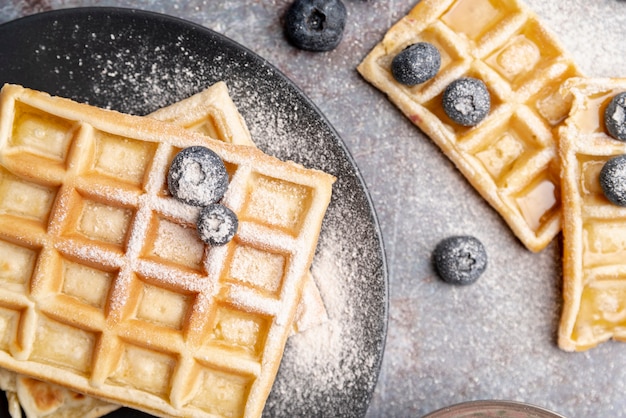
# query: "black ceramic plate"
[136,62]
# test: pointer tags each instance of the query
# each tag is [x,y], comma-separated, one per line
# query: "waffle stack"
[107,289]
[510,156]
[594,270]
[213,113]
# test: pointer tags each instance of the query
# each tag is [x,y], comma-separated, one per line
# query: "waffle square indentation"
[475,18]
[590,188]
[602,309]
[85,283]
[221,393]
[235,328]
[100,222]
[9,323]
[538,201]
[259,268]
[25,199]
[174,243]
[162,306]
[63,345]
[278,203]
[144,369]
[508,147]
[524,56]
[549,102]
[605,241]
[17,264]
[41,134]
[123,159]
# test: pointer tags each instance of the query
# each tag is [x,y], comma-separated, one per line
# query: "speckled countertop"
[496,338]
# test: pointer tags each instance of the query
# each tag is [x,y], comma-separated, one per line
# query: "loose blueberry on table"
[615,117]
[466,101]
[315,25]
[416,64]
[197,176]
[613,180]
[460,259]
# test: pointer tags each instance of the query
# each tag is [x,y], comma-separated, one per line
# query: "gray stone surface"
[496,338]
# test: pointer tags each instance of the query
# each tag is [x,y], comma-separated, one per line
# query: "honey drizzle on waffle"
[510,157]
[594,230]
[226,329]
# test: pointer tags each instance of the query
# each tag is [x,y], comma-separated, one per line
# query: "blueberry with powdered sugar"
[217,224]
[466,101]
[416,64]
[460,259]
[613,180]
[197,176]
[615,117]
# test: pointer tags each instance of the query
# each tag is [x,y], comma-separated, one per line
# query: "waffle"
[510,156]
[165,325]
[594,268]
[213,113]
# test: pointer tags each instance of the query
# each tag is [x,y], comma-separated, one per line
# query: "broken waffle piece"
[594,229]
[510,155]
[164,324]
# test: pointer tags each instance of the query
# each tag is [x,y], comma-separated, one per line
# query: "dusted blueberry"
[615,117]
[217,224]
[197,176]
[466,101]
[613,180]
[460,259]
[416,64]
[315,25]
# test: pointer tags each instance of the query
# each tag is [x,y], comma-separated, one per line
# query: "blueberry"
[217,224]
[197,176]
[315,25]
[416,64]
[613,180]
[466,101]
[615,117]
[460,259]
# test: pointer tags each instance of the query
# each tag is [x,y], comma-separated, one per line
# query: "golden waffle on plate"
[164,323]
[594,229]
[509,157]
[213,113]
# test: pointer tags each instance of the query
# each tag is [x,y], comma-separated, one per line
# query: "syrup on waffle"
[510,156]
[164,324]
[594,262]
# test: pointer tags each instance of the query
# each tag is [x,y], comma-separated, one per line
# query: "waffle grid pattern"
[510,156]
[594,229]
[162,323]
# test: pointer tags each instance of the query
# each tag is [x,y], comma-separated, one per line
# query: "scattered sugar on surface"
[114,73]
